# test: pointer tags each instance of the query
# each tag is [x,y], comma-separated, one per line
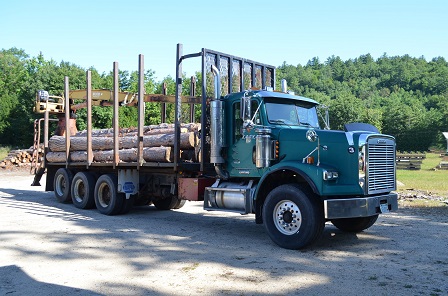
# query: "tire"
[180,203]
[83,190]
[168,203]
[293,217]
[62,183]
[354,224]
[108,200]
[127,205]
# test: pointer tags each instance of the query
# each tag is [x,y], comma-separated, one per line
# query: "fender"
[294,169]
[264,186]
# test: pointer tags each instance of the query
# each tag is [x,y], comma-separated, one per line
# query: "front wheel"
[293,217]
[354,224]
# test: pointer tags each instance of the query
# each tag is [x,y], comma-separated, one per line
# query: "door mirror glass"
[245,108]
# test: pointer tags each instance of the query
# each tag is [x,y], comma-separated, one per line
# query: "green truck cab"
[274,160]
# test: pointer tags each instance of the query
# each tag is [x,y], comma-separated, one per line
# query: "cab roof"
[276,94]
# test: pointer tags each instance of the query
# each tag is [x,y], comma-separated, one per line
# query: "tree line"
[402,96]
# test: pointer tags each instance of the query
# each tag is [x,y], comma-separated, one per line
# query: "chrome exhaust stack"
[284,86]
[217,128]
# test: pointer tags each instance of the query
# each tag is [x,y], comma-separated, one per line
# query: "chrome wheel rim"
[60,185]
[287,217]
[79,191]
[104,195]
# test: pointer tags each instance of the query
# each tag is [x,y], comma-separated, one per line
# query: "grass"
[427,178]
[4,152]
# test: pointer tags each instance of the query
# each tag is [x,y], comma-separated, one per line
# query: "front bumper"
[360,207]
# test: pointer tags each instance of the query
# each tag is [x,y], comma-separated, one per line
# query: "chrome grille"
[380,165]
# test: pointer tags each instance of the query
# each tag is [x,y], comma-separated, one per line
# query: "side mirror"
[245,108]
[246,112]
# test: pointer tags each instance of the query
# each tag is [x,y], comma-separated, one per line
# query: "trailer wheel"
[293,217]
[82,190]
[180,203]
[168,203]
[62,183]
[354,224]
[108,200]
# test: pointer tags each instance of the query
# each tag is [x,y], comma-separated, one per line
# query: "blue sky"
[99,32]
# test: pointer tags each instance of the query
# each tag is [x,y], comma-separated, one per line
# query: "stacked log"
[163,128]
[158,142]
[19,157]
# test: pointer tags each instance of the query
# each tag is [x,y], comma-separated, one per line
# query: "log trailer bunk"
[261,152]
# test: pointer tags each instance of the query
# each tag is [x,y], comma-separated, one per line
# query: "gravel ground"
[47,248]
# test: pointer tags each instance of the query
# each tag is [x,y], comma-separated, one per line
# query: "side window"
[253,108]
[238,121]
[237,132]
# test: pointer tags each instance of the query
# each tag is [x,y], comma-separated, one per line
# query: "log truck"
[260,151]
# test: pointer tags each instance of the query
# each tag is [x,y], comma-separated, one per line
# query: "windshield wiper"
[277,121]
[305,123]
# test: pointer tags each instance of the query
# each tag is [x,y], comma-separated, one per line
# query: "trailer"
[256,150]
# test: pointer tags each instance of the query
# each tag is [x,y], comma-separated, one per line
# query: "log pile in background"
[20,157]
[158,142]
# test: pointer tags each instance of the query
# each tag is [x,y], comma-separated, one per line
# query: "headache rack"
[236,75]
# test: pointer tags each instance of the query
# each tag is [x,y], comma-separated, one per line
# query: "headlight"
[330,175]
[362,167]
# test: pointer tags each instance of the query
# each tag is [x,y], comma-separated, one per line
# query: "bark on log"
[158,154]
[57,143]
[75,156]
[133,133]
[79,156]
[55,156]
[187,140]
[163,128]
[150,154]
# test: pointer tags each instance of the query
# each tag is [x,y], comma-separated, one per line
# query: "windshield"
[292,113]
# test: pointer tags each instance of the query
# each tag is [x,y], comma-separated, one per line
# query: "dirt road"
[47,248]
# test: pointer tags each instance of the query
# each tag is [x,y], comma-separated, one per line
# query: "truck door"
[241,158]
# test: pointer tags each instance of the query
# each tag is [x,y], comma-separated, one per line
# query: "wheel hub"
[60,184]
[104,195]
[80,191]
[287,217]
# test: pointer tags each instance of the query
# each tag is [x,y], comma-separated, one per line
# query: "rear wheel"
[108,200]
[354,224]
[62,183]
[82,190]
[180,204]
[169,203]
[293,218]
